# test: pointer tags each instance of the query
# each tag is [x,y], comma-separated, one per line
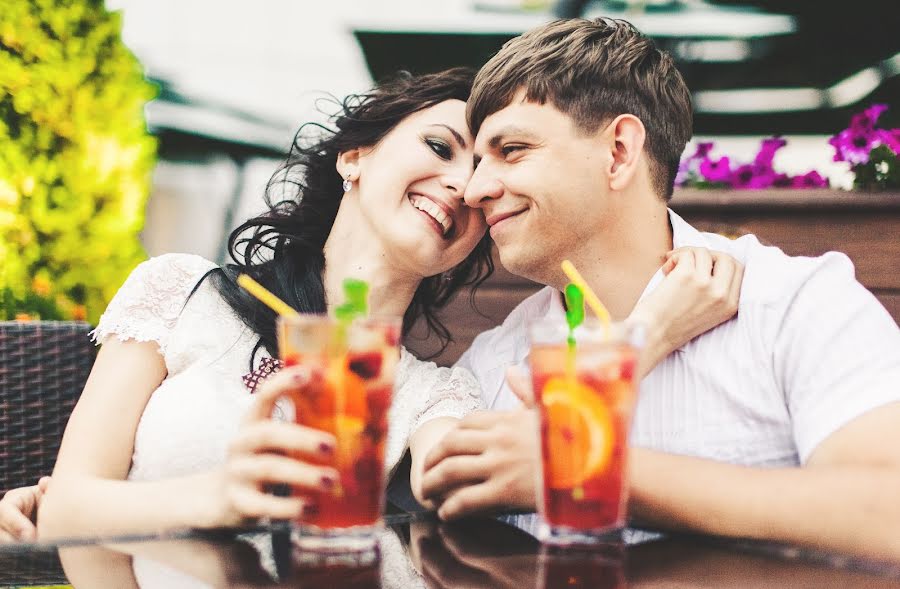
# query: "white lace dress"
[191,417]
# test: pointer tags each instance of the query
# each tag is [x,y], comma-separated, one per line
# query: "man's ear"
[347,164]
[627,134]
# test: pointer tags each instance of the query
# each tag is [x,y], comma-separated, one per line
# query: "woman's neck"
[353,251]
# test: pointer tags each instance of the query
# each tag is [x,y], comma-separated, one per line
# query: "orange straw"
[590,297]
[270,300]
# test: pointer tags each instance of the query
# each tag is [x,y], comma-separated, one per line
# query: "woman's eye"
[440,148]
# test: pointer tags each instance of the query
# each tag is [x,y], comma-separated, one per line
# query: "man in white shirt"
[782,423]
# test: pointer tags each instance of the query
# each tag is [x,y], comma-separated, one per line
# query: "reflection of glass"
[585,395]
[350,400]
[572,567]
[336,571]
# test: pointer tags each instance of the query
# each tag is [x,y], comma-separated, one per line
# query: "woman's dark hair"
[283,248]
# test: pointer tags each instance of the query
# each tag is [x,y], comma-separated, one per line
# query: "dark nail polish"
[327,481]
[310,509]
[326,448]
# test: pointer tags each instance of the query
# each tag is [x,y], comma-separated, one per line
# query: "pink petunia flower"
[767,150]
[811,179]
[716,170]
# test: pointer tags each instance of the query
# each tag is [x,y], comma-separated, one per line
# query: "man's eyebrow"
[503,133]
[456,135]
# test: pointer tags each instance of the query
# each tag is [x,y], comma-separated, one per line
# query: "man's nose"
[483,186]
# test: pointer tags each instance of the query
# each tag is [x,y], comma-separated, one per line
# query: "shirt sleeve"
[836,353]
[426,391]
[147,306]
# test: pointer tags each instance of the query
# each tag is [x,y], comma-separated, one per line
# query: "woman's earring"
[348,185]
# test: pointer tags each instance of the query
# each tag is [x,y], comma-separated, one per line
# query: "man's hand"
[487,462]
[18,509]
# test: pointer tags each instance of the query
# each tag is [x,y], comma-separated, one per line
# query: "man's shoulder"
[773,278]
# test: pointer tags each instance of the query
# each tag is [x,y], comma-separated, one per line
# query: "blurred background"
[238,78]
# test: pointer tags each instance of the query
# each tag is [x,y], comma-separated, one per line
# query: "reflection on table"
[420,552]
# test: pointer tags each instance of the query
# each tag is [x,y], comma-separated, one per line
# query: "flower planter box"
[865,226]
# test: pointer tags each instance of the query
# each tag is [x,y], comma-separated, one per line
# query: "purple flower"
[703,149]
[810,180]
[889,137]
[767,151]
[716,170]
[852,146]
[865,121]
[782,181]
[742,176]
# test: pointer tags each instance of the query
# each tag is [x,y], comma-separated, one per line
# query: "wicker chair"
[43,368]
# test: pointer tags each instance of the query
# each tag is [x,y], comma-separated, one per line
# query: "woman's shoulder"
[148,304]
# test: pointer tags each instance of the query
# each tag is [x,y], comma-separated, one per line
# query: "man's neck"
[631,252]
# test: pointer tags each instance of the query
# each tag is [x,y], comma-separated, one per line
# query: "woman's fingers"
[283,382]
[272,468]
[280,436]
[252,503]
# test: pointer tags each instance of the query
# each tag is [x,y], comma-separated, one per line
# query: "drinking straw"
[589,296]
[270,300]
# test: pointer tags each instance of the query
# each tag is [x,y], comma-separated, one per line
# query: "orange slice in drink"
[579,432]
[348,431]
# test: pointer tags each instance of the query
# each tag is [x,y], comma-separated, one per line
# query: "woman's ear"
[628,135]
[347,165]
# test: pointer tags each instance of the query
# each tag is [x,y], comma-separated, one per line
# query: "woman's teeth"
[434,211]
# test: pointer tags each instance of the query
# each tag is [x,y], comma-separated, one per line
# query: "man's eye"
[440,148]
[508,150]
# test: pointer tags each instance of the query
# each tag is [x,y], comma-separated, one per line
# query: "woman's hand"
[700,290]
[267,452]
[18,509]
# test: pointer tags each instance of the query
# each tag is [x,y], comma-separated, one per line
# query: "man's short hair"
[594,70]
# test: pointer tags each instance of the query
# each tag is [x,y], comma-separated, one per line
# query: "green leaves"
[75,158]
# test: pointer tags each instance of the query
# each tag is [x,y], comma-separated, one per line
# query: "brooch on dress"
[267,367]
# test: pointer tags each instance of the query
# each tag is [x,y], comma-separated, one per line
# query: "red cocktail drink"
[585,394]
[349,399]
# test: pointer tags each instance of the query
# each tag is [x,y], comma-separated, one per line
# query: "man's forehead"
[517,118]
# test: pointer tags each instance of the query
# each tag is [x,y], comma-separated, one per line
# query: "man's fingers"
[469,500]
[520,385]
[283,437]
[43,484]
[453,472]
[458,443]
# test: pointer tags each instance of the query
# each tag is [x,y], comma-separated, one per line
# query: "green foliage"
[75,158]
[881,172]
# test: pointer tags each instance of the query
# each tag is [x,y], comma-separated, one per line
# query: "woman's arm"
[701,289]
[89,493]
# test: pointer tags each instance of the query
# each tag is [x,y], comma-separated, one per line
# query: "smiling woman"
[379,197]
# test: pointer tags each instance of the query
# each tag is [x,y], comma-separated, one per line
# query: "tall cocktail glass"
[585,395]
[357,362]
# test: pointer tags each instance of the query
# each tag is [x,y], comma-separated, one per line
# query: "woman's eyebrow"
[456,135]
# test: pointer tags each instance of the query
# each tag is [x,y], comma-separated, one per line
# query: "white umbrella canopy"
[269,60]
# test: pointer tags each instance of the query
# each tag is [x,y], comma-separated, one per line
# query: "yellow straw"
[589,296]
[260,292]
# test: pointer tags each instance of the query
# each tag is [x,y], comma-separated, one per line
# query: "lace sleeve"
[147,306]
[426,391]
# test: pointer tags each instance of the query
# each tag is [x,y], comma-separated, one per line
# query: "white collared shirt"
[809,350]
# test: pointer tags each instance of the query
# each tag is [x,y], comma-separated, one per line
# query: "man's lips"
[496,218]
